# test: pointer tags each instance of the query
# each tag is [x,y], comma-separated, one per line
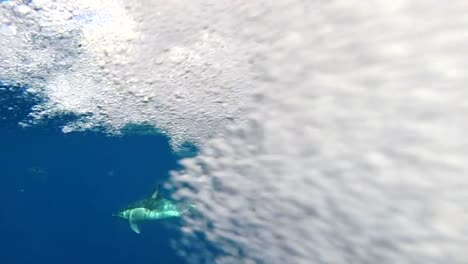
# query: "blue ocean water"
[58,192]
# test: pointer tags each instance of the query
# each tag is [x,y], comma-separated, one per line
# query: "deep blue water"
[58,192]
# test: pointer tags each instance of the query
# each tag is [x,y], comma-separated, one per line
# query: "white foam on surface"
[356,150]
[117,62]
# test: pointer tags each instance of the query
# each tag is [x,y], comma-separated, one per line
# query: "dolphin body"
[152,208]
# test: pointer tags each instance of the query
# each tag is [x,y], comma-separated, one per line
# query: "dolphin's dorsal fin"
[157,195]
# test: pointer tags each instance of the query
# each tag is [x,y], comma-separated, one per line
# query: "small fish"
[153,208]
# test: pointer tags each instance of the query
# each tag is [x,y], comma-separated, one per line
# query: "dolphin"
[152,208]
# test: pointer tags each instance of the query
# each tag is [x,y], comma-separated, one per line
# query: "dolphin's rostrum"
[153,208]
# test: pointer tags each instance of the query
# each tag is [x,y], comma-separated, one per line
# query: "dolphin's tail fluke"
[188,208]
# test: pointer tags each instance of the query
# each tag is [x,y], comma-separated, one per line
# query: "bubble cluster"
[355,150]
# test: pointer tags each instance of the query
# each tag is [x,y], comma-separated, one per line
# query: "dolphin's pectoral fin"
[135,227]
